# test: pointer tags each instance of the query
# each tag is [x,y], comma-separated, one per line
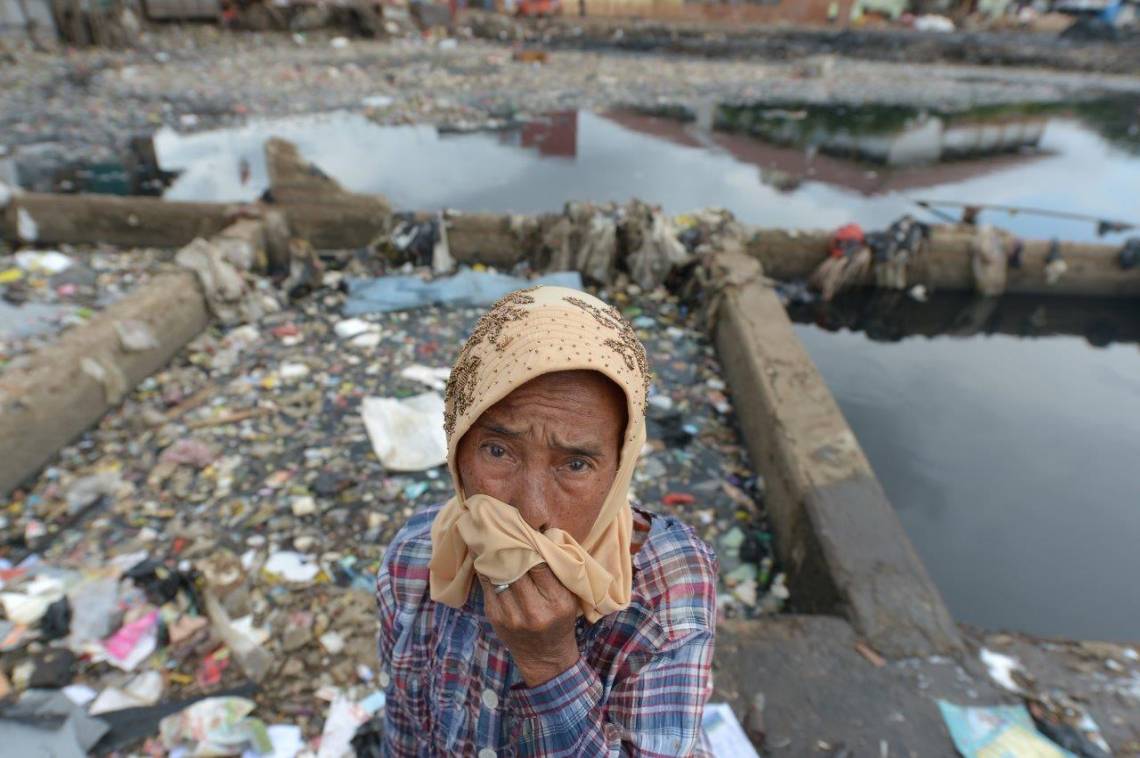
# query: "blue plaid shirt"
[639,687]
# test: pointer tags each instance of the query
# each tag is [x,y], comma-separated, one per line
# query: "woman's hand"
[535,619]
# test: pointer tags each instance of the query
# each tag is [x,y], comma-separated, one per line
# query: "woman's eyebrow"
[579,448]
[501,430]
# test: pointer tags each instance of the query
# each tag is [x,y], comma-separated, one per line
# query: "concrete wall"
[838,536]
[53,399]
[12,20]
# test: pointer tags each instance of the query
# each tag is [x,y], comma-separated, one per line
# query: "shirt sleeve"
[655,710]
[399,578]
[397,739]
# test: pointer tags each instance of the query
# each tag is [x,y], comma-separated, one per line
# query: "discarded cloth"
[466,288]
[219,266]
[989,261]
[894,249]
[652,244]
[584,239]
[847,262]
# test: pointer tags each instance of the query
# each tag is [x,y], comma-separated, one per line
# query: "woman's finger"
[547,583]
[492,602]
[525,601]
[505,603]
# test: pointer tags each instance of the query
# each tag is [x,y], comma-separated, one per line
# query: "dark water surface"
[1010,457]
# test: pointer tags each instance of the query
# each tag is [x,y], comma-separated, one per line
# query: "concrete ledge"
[818,688]
[330,218]
[126,221]
[839,537]
[946,264]
[49,402]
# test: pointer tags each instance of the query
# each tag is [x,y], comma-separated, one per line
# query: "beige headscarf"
[526,334]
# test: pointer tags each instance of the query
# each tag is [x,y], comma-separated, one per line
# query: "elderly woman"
[537,613]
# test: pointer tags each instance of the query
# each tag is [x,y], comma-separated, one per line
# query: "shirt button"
[487,753]
[490,699]
[384,679]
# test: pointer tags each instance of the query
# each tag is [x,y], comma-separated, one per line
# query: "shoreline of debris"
[1112,52]
[89,105]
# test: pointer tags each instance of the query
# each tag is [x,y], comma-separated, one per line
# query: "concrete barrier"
[842,544]
[946,263]
[127,221]
[58,394]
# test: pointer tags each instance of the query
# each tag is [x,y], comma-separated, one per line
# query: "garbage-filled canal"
[1010,456]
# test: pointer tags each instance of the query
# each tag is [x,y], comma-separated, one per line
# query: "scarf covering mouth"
[526,334]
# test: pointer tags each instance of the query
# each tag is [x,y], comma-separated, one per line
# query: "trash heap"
[43,292]
[197,570]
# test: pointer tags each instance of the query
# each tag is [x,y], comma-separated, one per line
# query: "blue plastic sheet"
[465,288]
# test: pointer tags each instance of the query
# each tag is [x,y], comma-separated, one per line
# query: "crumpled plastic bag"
[30,604]
[988,262]
[466,288]
[406,433]
[218,265]
[46,722]
[654,249]
[584,239]
[215,726]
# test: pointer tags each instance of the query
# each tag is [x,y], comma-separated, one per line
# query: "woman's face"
[551,449]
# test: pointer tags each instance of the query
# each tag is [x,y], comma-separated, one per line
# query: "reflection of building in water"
[964,151]
[554,135]
[907,141]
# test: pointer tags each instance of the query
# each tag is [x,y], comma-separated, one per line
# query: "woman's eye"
[496,451]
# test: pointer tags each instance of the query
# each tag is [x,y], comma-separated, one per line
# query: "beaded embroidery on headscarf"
[461,384]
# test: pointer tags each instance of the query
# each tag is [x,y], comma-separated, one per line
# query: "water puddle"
[1004,432]
[786,164]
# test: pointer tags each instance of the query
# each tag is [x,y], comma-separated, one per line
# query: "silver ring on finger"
[501,588]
